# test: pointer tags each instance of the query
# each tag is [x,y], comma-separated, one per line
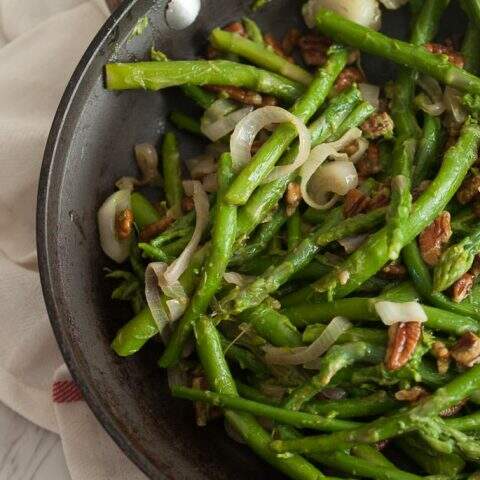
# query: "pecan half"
[442,355]
[236,27]
[466,351]
[462,287]
[470,190]
[355,202]
[411,395]
[124,224]
[402,340]
[152,230]
[454,57]
[370,164]
[242,95]
[378,125]
[290,40]
[394,271]
[347,78]
[313,49]
[293,196]
[432,239]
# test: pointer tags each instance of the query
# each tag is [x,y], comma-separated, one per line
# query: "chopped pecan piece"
[355,202]
[379,124]
[290,40]
[275,45]
[187,204]
[433,238]
[313,49]
[469,190]
[394,271]
[462,287]
[235,27]
[370,164]
[402,340]
[466,351]
[293,196]
[248,97]
[347,78]
[454,57]
[124,224]
[442,355]
[411,395]
[152,230]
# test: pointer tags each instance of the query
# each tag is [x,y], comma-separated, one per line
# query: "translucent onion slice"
[370,93]
[350,244]
[200,166]
[194,189]
[210,182]
[452,100]
[394,312]
[433,91]
[237,279]
[305,355]
[337,177]
[393,4]
[363,12]
[247,129]
[118,250]
[219,119]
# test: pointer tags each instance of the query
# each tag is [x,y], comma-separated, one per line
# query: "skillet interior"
[90,146]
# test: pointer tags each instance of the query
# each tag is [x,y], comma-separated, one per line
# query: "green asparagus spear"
[467,423]
[252,393]
[218,374]
[363,309]
[172,174]
[429,148]
[223,237]
[253,31]
[265,197]
[377,403]
[294,230]
[258,54]
[256,292]
[252,175]
[403,53]
[182,227]
[455,261]
[154,253]
[419,416]
[373,254]
[201,97]
[375,336]
[336,358]
[464,221]
[366,452]
[295,419]
[185,122]
[470,48]
[143,211]
[158,75]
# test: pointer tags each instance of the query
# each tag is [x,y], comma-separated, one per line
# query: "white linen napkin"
[41,41]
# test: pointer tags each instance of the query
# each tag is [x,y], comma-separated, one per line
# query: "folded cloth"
[41,41]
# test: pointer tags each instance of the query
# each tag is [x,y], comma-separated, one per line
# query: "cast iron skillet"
[89,147]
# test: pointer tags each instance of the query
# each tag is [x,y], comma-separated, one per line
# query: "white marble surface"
[28,452]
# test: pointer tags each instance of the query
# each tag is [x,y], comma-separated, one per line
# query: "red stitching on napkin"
[66,391]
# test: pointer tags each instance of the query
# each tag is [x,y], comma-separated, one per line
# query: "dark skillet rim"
[48,274]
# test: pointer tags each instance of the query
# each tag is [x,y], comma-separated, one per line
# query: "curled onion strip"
[317,157]
[118,250]
[453,104]
[433,92]
[305,355]
[247,129]
[394,312]
[370,93]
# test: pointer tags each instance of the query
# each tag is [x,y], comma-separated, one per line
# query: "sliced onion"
[363,144]
[394,312]
[210,183]
[363,12]
[118,250]
[200,166]
[432,102]
[237,279]
[393,4]
[194,189]
[370,93]
[247,129]
[219,119]
[350,244]
[304,355]
[453,103]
